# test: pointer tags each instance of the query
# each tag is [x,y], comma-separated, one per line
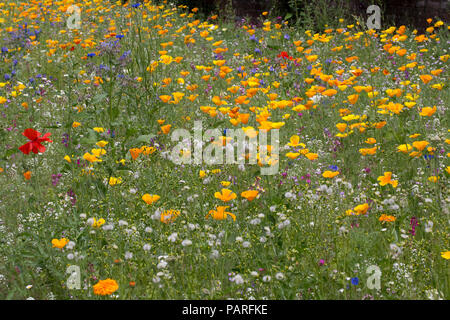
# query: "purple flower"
[55,179]
[413,223]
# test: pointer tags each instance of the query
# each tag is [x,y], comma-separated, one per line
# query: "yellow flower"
[249,194]
[428,111]
[225,195]
[67,158]
[105,287]
[368,151]
[329,92]
[135,153]
[61,243]
[98,223]
[220,213]
[113,181]
[202,174]
[386,179]
[361,209]
[102,143]
[341,126]
[353,98]
[385,218]
[433,179]
[165,98]
[445,255]
[311,156]
[292,155]
[294,141]
[99,129]
[166,59]
[420,145]
[165,129]
[150,198]
[330,174]
[225,183]
[76,124]
[98,152]
[426,78]
[169,215]
[405,148]
[147,150]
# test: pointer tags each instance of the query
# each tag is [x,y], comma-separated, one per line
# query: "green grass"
[312,256]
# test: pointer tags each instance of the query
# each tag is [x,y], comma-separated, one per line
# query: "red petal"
[44,138]
[26,148]
[39,147]
[31,134]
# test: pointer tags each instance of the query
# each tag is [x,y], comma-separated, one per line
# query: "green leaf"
[11,294]
[9,153]
[99,98]
[90,139]
[144,138]
[115,112]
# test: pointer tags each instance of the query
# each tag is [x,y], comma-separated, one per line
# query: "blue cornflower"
[136,5]
[125,54]
[334,168]
[355,281]
[119,36]
[90,55]
[287,37]
[257,50]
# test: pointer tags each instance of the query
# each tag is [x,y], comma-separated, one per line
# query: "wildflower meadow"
[148,152]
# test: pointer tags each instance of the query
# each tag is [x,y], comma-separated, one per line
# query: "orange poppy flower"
[225,195]
[250,194]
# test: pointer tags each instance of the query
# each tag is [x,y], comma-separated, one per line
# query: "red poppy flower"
[283,55]
[35,143]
